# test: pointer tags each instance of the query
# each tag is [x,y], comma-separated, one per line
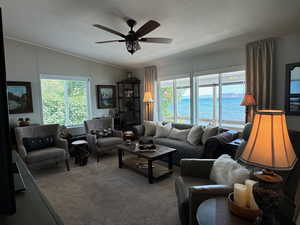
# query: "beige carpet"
[103,194]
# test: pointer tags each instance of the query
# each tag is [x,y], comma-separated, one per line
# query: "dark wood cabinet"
[129,105]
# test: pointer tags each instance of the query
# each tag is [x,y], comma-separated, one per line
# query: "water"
[231,109]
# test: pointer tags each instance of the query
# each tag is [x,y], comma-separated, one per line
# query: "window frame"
[175,117]
[194,91]
[87,79]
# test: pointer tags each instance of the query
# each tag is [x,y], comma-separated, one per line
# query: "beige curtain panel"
[260,56]
[149,86]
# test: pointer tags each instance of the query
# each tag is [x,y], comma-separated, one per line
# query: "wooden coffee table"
[151,169]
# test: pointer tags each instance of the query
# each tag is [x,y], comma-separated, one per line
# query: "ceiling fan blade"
[157,40]
[147,28]
[101,42]
[109,30]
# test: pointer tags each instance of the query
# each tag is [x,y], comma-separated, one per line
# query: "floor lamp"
[148,99]
[249,102]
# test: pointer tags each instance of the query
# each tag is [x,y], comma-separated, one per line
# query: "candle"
[240,195]
[251,201]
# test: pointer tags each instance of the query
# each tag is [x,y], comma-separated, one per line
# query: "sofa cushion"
[46,154]
[195,135]
[209,132]
[37,143]
[179,134]
[146,139]
[163,130]
[150,128]
[107,141]
[178,145]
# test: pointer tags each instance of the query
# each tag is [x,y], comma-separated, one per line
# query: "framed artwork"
[106,96]
[19,97]
[292,98]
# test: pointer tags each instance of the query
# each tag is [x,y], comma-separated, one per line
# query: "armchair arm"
[92,142]
[62,143]
[139,130]
[117,133]
[198,194]
[196,167]
[22,151]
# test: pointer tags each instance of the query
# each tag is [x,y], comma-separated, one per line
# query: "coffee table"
[152,170]
[215,211]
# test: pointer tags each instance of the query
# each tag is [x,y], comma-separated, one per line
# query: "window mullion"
[174,101]
[66,100]
[220,100]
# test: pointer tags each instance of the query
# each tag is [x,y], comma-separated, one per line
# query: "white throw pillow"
[163,130]
[179,134]
[195,135]
[150,128]
[227,171]
[209,132]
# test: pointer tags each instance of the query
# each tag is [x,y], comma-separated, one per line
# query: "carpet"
[103,194]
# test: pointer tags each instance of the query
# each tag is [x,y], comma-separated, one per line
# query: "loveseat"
[210,149]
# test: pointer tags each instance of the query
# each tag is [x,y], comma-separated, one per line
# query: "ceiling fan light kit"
[133,38]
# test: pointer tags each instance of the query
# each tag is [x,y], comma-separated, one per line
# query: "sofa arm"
[196,167]
[198,194]
[139,131]
[118,133]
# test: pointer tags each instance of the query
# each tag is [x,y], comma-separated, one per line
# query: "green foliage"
[166,102]
[64,102]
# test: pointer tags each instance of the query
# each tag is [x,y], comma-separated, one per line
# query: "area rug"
[103,194]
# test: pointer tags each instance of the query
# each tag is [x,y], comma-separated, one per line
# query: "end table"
[215,211]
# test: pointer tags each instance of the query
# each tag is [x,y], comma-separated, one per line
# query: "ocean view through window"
[64,100]
[217,100]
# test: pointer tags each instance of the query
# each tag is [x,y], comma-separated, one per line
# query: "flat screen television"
[7,190]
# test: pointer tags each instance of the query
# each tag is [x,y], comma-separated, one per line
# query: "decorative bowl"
[246,213]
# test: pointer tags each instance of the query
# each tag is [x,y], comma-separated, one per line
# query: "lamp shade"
[269,145]
[148,97]
[248,100]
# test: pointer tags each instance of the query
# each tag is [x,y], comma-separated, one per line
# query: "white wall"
[26,62]
[288,51]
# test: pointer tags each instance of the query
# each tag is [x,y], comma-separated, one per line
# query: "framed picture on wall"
[19,97]
[106,96]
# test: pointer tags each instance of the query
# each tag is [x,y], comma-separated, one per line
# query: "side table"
[215,211]
[80,152]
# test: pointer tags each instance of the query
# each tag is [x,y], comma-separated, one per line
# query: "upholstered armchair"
[193,186]
[99,144]
[57,152]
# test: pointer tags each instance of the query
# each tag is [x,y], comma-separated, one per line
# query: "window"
[216,99]
[64,100]
[175,100]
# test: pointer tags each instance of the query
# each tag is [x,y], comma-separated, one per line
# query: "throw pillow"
[150,128]
[209,132]
[228,172]
[37,143]
[195,135]
[179,134]
[163,130]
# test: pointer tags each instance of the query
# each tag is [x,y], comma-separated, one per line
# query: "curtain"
[150,79]
[260,56]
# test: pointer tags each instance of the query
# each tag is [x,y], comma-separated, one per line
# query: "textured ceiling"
[193,24]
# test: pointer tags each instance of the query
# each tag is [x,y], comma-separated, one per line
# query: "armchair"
[37,158]
[193,186]
[100,145]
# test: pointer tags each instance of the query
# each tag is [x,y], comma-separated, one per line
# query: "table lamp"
[148,99]
[249,102]
[269,147]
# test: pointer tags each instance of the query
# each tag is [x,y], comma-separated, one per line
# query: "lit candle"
[251,201]
[240,195]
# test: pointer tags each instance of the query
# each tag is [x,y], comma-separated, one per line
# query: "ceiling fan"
[133,38]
